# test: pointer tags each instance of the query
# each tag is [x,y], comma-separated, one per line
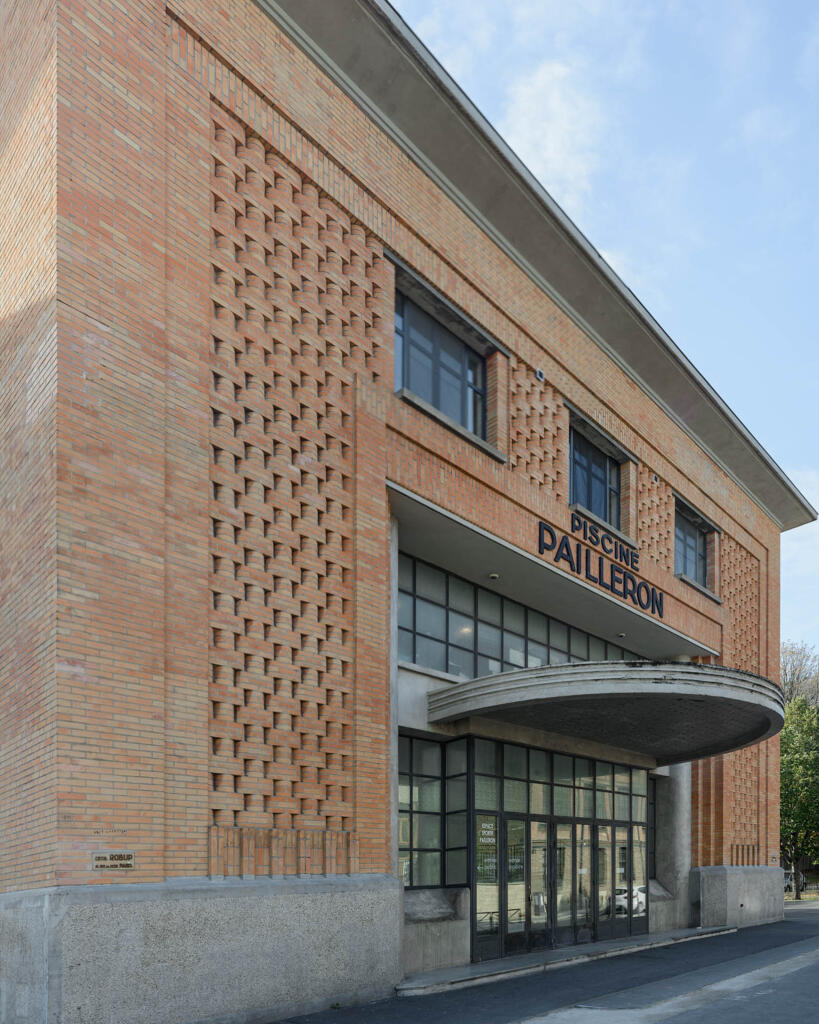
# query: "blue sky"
[683,140]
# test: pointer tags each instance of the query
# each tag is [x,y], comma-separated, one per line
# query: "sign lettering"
[581,558]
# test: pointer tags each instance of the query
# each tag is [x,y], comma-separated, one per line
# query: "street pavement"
[754,976]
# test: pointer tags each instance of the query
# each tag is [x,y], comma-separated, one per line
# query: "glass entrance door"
[540,902]
[563,862]
[605,888]
[515,887]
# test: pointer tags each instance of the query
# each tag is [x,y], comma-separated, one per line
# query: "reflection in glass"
[604,805]
[584,803]
[621,882]
[638,872]
[605,896]
[539,798]
[563,876]
[426,868]
[427,795]
[539,878]
[584,913]
[583,772]
[486,874]
[515,877]
[563,801]
[514,796]
[487,792]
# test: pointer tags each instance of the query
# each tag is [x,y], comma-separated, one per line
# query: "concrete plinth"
[436,929]
[233,952]
[736,896]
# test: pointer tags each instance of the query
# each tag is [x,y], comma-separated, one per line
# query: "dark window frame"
[691,545]
[563,644]
[413,813]
[582,478]
[472,378]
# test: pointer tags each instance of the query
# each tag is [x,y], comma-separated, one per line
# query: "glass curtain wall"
[554,846]
[451,625]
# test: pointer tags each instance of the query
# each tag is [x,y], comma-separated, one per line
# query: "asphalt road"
[764,974]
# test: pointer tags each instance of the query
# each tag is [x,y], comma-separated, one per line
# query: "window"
[451,625]
[419,812]
[691,546]
[434,364]
[595,479]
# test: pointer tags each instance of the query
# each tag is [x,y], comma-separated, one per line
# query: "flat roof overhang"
[445,539]
[373,56]
[670,712]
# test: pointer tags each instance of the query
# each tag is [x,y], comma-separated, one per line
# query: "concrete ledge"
[225,952]
[455,978]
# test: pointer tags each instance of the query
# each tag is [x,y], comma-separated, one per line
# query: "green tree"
[799,780]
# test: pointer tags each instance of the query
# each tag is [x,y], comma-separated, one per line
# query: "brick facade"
[196,335]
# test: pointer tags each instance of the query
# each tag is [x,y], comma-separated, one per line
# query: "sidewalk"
[449,979]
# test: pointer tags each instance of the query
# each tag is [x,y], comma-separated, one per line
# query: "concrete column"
[669,888]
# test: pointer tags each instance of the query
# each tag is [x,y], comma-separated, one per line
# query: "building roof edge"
[373,55]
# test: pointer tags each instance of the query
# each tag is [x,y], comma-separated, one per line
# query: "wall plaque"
[113,860]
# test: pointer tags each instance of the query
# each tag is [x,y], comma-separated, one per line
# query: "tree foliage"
[799,780]
[799,671]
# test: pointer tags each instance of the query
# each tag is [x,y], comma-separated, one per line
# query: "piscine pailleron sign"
[616,572]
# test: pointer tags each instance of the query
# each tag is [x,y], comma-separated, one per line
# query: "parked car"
[789,881]
[640,899]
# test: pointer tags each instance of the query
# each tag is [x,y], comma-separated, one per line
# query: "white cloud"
[800,562]
[553,122]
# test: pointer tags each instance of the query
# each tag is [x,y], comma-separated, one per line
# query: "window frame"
[473,369]
[544,637]
[691,530]
[580,443]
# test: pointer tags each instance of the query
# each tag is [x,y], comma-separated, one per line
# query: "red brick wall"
[226,427]
[28,384]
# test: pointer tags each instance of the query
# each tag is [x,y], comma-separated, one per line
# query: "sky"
[682,138]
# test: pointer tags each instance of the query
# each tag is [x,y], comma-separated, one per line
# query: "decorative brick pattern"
[297,312]
[655,515]
[740,582]
[276,851]
[538,431]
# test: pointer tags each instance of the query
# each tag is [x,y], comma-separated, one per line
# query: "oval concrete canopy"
[670,712]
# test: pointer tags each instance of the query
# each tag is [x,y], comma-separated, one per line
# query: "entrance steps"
[448,979]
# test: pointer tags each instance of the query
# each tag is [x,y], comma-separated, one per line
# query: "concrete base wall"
[436,929]
[225,952]
[735,896]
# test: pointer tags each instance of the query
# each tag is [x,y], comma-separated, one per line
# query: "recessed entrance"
[542,882]
[553,847]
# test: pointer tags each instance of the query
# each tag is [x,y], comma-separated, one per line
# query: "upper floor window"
[450,625]
[438,367]
[595,479]
[691,545]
